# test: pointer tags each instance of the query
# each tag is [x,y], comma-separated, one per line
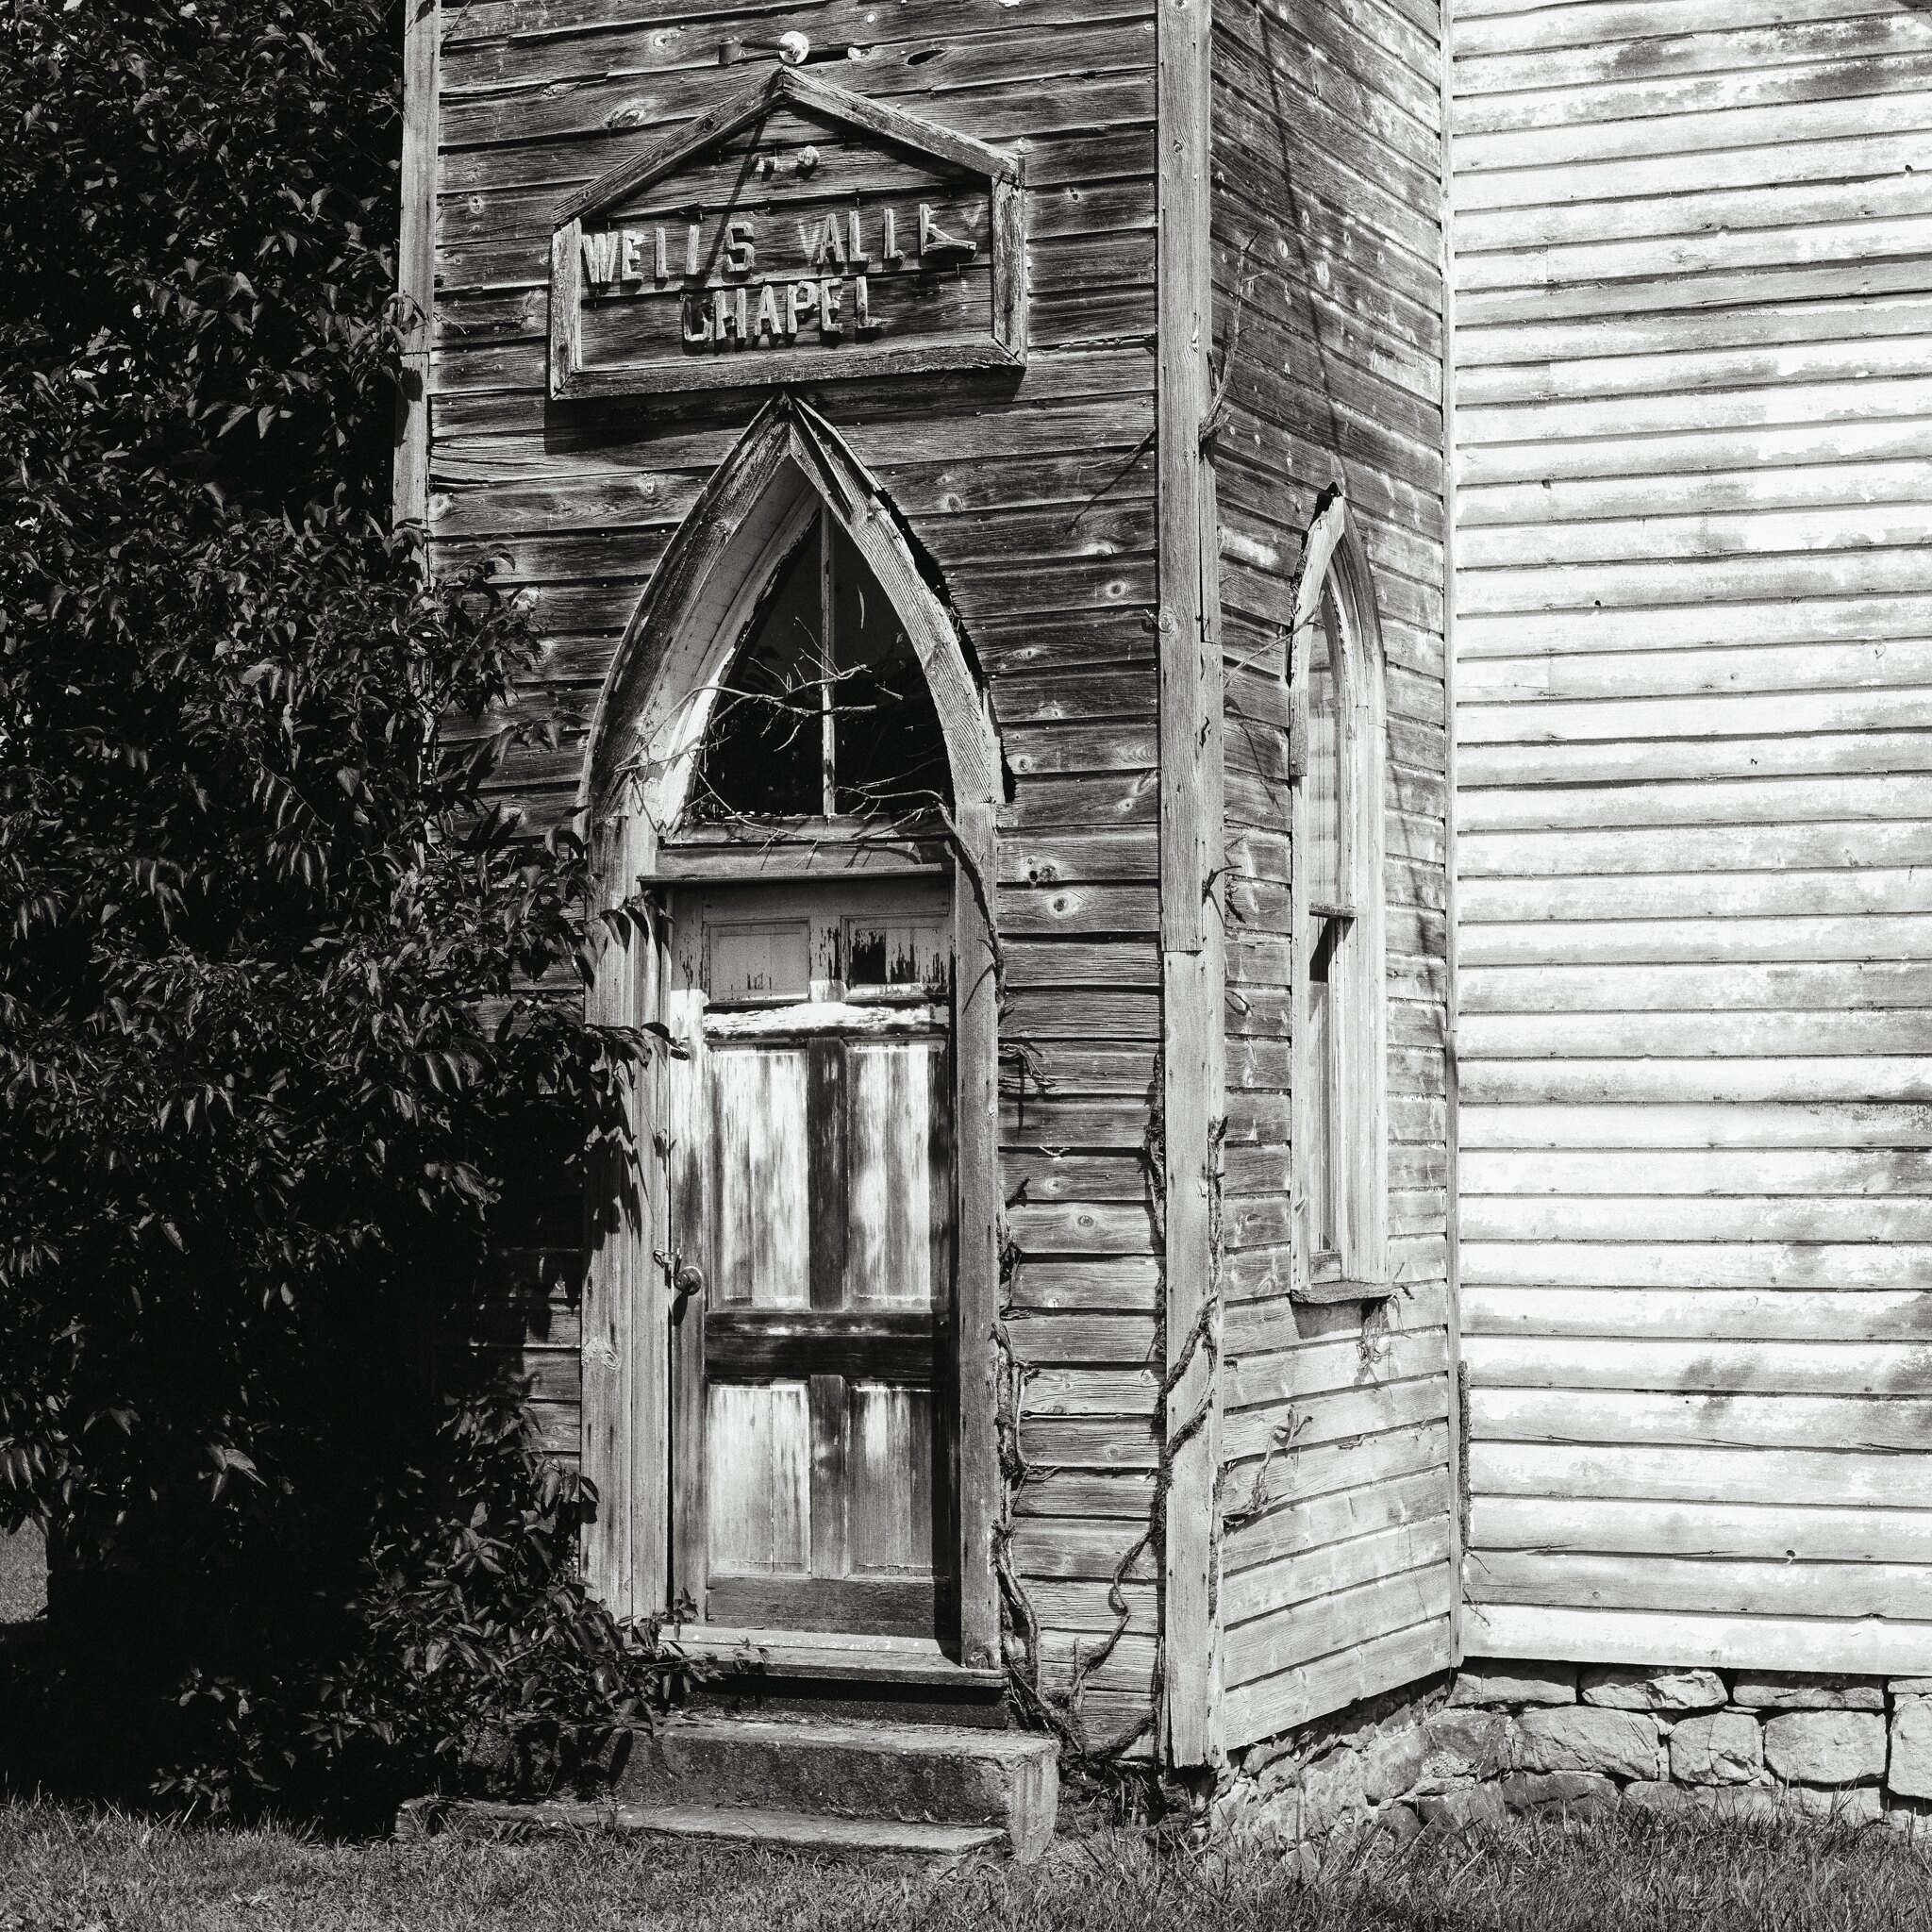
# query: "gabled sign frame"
[1003,347]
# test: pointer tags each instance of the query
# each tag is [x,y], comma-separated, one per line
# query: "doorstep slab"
[877,1660]
[809,1831]
[946,1774]
[795,1830]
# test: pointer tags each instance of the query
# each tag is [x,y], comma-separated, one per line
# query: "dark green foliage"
[255,1136]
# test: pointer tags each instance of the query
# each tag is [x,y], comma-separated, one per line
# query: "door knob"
[686,1280]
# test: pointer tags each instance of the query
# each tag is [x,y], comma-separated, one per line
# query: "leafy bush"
[255,1133]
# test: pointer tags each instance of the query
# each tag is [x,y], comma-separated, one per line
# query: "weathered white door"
[812,1184]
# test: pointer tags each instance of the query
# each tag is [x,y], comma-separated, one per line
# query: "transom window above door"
[824,712]
[885,955]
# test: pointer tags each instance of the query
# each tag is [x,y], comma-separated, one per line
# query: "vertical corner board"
[798,232]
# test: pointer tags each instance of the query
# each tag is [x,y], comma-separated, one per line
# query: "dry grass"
[70,1872]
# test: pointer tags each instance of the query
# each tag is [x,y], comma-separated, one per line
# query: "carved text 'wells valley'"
[728,303]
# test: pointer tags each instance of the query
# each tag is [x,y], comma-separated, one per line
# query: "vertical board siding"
[1193,964]
[1336,1496]
[1033,495]
[1694,608]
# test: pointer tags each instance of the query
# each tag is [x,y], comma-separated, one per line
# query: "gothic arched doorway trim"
[658,695]
[647,732]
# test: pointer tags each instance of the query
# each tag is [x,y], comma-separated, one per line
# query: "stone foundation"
[1516,1736]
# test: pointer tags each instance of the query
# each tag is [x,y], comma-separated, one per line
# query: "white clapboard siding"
[1784,327]
[1903,935]
[1816,1267]
[1678,1636]
[1499,767]
[1503,26]
[1886,664]
[1770,485]
[1679,214]
[1860,1125]
[1721,1530]
[1736,898]
[1692,611]
[1496,1319]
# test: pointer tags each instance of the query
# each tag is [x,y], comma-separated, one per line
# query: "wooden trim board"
[1458,1470]
[976,1262]
[1193,968]
[784,85]
[416,261]
[809,1654]
[626,1338]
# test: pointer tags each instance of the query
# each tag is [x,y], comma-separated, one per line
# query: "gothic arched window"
[824,712]
[1340,1130]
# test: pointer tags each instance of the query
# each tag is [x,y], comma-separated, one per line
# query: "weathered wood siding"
[1693,600]
[1335,1490]
[1034,497]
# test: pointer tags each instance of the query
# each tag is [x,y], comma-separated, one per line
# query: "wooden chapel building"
[1172,1183]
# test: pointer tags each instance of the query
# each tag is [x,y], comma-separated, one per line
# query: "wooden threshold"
[806,1653]
[1319,1293]
[781,864]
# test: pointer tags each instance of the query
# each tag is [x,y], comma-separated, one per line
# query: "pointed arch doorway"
[787,1366]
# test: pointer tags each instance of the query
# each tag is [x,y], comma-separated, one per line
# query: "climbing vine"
[1063,1711]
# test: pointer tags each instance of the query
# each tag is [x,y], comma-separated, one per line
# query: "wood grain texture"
[1029,496]
[1191,952]
[975,1293]
[1329,307]
[416,260]
[1692,333]
[1718,1640]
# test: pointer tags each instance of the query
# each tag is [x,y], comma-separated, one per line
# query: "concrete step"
[801,1830]
[1003,1782]
[811,1831]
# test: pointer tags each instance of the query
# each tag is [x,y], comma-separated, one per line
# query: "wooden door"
[813,1200]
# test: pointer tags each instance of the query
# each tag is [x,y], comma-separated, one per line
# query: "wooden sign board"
[801,233]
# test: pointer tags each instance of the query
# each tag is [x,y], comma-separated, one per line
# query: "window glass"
[1326,1160]
[894,953]
[1338,951]
[762,756]
[891,754]
[1322,783]
[824,712]
[760,960]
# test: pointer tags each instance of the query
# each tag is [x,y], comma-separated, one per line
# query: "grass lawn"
[72,1872]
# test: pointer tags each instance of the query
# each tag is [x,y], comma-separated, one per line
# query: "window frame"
[1356,1268]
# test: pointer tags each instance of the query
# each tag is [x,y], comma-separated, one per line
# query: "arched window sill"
[805,848]
[1319,1293]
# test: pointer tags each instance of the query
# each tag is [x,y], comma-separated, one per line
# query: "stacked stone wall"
[1503,1737]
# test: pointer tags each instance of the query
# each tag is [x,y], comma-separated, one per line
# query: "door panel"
[895,1229]
[815,1222]
[761,1250]
[890,1480]
[758,1450]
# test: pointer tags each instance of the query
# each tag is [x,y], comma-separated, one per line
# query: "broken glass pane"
[787,740]
[762,756]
